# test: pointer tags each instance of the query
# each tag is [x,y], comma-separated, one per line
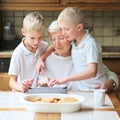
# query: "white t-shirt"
[23,61]
[59,67]
[88,51]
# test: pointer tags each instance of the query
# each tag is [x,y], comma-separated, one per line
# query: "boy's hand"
[107,85]
[39,65]
[58,82]
[26,84]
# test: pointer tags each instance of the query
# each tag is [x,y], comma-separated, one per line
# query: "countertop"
[111,55]
[12,108]
[8,54]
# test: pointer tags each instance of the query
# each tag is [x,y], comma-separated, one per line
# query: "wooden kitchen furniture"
[4,77]
[4,82]
[92,5]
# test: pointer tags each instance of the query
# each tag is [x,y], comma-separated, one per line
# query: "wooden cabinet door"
[4,82]
[91,1]
[31,1]
[113,65]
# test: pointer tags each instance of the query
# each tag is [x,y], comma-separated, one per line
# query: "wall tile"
[107,31]
[104,23]
[107,41]
[107,21]
[98,31]
[18,21]
[116,41]
[99,40]
[98,21]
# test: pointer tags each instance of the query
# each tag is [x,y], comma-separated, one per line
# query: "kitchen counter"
[112,55]
[8,54]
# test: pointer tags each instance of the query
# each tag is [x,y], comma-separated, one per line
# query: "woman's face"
[61,45]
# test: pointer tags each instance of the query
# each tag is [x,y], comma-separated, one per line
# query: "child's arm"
[23,87]
[40,62]
[13,83]
[90,72]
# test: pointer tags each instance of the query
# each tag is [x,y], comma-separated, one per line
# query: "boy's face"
[60,43]
[69,29]
[33,38]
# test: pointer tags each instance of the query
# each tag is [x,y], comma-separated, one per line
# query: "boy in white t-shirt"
[22,66]
[86,53]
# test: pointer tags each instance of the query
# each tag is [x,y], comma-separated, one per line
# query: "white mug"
[99,97]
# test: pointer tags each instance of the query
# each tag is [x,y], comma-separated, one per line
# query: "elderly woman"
[59,62]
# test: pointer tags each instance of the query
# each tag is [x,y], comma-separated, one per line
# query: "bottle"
[8,33]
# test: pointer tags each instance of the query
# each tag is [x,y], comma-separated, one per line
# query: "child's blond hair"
[73,14]
[34,21]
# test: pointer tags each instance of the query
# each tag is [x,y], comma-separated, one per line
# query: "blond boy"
[21,70]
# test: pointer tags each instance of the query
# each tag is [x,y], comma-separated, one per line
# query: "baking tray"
[62,90]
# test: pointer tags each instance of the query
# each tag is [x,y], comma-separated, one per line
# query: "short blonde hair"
[73,14]
[53,27]
[33,21]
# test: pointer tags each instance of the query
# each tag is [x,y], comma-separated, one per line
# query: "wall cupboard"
[93,5]
[113,65]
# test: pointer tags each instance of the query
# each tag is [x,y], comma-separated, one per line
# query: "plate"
[47,107]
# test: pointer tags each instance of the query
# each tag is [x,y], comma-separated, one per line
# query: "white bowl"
[52,107]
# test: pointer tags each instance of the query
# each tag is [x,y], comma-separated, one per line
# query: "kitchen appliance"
[8,31]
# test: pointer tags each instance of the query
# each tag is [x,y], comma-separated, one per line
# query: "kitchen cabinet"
[29,4]
[30,1]
[113,65]
[4,82]
[5,57]
[92,5]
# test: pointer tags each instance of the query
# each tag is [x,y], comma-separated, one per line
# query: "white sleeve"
[112,76]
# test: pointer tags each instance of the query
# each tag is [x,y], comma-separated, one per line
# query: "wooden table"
[56,116]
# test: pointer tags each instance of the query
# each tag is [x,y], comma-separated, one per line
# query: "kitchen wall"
[104,26]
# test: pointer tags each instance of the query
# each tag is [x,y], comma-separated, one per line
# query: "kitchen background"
[104,25]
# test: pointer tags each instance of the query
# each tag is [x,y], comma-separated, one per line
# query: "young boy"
[86,53]
[22,66]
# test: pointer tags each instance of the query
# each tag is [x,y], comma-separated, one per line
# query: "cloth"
[88,51]
[59,67]
[23,61]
